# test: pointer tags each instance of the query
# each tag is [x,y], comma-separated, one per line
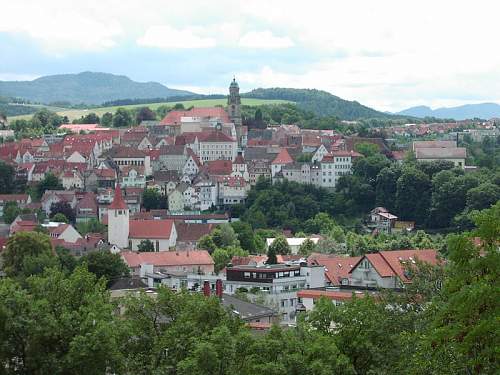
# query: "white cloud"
[264,39]
[395,53]
[167,37]
[61,29]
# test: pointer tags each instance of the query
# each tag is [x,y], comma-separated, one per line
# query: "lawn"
[77,113]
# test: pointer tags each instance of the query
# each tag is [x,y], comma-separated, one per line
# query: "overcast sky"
[385,54]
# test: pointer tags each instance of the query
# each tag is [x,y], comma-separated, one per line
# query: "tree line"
[434,195]
[60,321]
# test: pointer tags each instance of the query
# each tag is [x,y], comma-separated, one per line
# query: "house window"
[246,275]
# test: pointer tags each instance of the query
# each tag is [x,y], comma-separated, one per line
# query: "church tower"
[233,106]
[118,220]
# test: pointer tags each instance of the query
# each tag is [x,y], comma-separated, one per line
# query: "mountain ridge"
[320,102]
[85,87]
[462,112]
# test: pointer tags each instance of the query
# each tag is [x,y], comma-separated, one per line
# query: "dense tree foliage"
[49,182]
[57,324]
[443,323]
[26,253]
[42,122]
[91,226]
[62,208]
[321,103]
[280,246]
[122,118]
[152,199]
[7,181]
[145,246]
[105,264]
[10,212]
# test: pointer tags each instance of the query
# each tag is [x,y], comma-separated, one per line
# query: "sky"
[389,55]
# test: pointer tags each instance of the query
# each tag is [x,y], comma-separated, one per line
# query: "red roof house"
[196,261]
[283,157]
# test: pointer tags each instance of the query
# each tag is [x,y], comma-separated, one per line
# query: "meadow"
[77,113]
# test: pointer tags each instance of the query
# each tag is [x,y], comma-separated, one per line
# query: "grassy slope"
[77,113]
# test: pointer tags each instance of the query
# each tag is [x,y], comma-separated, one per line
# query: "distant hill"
[463,112]
[87,88]
[322,103]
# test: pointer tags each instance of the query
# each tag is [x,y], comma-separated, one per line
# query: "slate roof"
[125,283]
[246,310]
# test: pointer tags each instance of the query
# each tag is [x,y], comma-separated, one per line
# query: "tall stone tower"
[118,220]
[233,106]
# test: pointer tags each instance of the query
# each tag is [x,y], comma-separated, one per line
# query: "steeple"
[118,220]
[118,202]
[233,106]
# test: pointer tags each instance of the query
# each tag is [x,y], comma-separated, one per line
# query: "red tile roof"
[239,159]
[118,202]
[167,258]
[336,268]
[219,167]
[59,229]
[192,231]
[214,136]
[391,263]
[23,226]
[283,157]
[13,197]
[157,229]
[195,158]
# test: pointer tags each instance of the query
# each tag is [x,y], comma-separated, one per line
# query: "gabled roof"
[391,263]
[218,167]
[239,159]
[87,202]
[118,202]
[127,152]
[172,150]
[58,230]
[192,231]
[167,258]
[195,158]
[336,267]
[434,144]
[283,157]
[157,229]
[13,197]
[215,136]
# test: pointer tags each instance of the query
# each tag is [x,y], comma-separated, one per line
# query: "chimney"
[206,288]
[218,288]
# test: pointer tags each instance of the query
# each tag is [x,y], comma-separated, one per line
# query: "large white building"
[118,221]
[278,283]
[216,145]
[126,233]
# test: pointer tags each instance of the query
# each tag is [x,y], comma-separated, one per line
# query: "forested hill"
[86,87]
[320,102]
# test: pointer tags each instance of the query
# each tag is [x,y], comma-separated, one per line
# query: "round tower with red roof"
[118,220]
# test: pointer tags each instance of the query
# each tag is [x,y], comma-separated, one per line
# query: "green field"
[77,113]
